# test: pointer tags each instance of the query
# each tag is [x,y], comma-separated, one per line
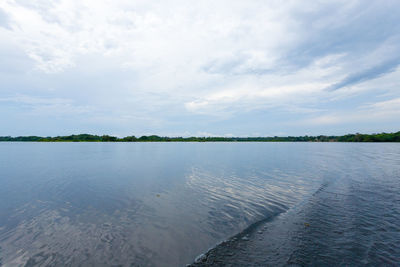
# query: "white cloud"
[373,112]
[387,107]
[47,106]
[158,63]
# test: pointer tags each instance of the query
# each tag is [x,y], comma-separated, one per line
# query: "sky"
[199,68]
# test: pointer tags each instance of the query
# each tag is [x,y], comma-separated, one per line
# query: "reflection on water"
[162,204]
[351,220]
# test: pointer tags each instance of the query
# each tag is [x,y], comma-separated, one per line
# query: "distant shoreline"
[381,137]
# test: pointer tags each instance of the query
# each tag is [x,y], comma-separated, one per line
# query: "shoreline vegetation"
[381,137]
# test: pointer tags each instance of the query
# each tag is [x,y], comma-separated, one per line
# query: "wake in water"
[162,204]
[350,222]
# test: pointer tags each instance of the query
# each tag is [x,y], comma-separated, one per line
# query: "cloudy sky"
[241,68]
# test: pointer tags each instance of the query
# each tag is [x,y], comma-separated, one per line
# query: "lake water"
[163,204]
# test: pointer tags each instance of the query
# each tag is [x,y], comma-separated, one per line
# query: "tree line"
[381,137]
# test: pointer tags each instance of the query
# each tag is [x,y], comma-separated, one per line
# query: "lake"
[163,204]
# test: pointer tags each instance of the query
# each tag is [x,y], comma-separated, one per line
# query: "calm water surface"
[162,204]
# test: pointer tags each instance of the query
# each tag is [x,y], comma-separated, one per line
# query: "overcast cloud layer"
[241,68]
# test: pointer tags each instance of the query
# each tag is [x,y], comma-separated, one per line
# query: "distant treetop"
[381,137]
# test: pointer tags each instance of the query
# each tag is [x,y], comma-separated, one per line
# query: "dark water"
[162,204]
